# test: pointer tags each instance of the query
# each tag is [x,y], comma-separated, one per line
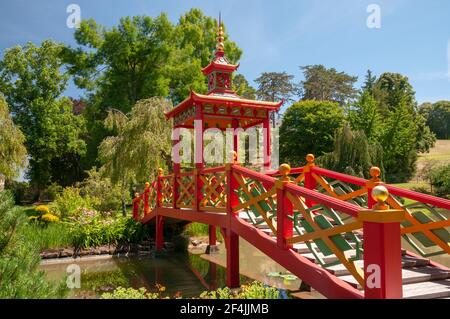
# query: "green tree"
[142,144]
[399,144]
[276,86]
[393,89]
[243,88]
[437,117]
[32,80]
[140,58]
[364,116]
[369,82]
[12,150]
[309,127]
[440,179]
[324,84]
[353,154]
[19,259]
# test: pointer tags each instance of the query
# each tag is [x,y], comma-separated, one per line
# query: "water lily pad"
[289,277]
[274,274]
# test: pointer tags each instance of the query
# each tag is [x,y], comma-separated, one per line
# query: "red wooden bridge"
[340,234]
[316,223]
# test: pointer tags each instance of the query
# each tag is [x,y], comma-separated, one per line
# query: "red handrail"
[340,176]
[323,199]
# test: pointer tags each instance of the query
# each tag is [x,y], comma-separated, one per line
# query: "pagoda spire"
[220,38]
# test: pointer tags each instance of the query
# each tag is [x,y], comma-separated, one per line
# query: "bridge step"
[328,259]
[427,290]
[410,276]
[407,262]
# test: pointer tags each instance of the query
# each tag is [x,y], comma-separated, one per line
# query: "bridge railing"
[144,203]
[427,218]
[300,216]
[332,216]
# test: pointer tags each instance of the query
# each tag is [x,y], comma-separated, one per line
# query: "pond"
[182,274]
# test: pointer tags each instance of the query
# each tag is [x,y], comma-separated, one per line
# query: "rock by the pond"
[196,242]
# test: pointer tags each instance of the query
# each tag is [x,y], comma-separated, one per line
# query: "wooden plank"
[329,258]
[407,262]
[410,276]
[427,290]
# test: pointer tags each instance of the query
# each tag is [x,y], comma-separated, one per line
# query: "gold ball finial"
[380,194]
[234,157]
[160,172]
[375,172]
[147,184]
[284,170]
[310,158]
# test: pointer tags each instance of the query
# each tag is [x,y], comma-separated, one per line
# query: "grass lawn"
[440,153]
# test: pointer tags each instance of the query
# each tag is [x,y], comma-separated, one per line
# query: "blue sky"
[414,38]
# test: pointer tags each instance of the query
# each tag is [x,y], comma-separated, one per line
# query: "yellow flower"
[49,218]
[42,209]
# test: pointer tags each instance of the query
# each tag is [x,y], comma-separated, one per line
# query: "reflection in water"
[185,274]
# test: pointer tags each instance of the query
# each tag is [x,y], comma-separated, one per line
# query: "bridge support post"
[382,248]
[285,209]
[159,221]
[310,182]
[232,239]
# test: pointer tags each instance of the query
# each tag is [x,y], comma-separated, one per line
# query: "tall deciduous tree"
[243,88]
[32,80]
[353,154]
[276,86]
[12,150]
[309,127]
[324,84]
[141,146]
[140,58]
[364,116]
[437,117]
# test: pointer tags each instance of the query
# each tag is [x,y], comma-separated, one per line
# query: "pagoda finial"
[220,38]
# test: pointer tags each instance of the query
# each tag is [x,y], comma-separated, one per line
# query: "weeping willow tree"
[352,154]
[12,150]
[142,144]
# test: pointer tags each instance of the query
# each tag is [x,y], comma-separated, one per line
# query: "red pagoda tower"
[221,107]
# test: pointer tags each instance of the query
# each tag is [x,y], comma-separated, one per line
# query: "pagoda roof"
[220,63]
[231,99]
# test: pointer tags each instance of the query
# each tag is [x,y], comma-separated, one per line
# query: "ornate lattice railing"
[298,215]
[186,190]
[213,196]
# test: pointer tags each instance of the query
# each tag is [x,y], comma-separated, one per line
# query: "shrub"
[19,259]
[105,196]
[69,202]
[130,293]
[49,218]
[51,192]
[21,191]
[98,231]
[440,179]
[254,290]
[42,210]
[44,216]
[308,127]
